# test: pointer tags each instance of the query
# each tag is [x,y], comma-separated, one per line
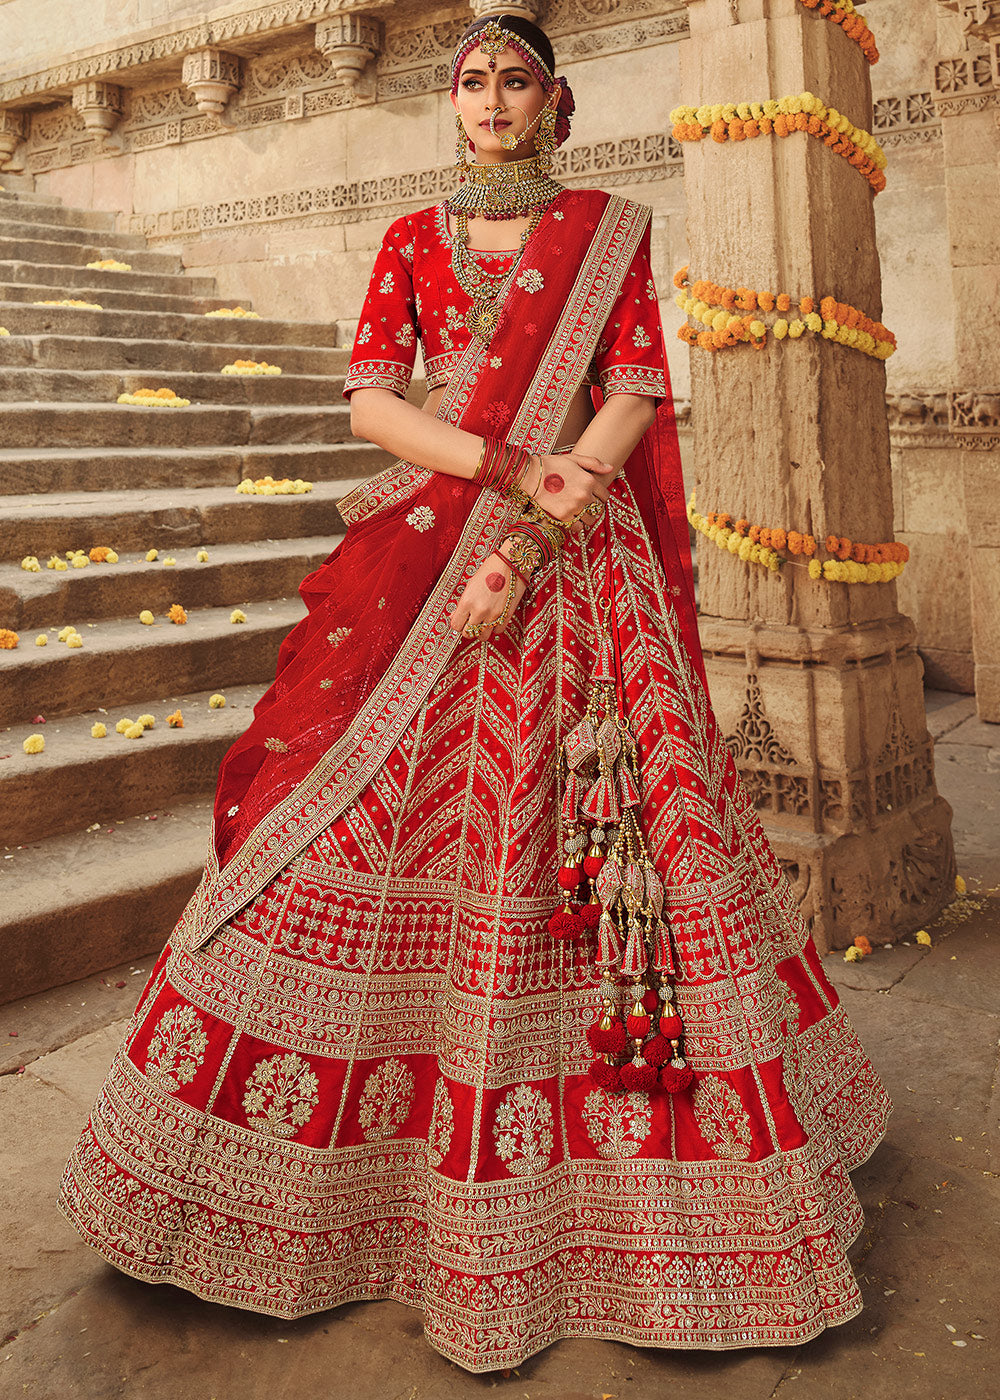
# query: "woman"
[493,998]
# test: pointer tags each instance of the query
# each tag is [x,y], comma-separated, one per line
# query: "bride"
[493,998]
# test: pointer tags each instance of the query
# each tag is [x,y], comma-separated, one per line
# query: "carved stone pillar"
[967,98]
[100,106]
[213,76]
[817,683]
[13,129]
[349,42]
[524,8]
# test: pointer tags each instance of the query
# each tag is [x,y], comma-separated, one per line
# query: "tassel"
[601,803]
[663,958]
[609,742]
[638,1077]
[571,798]
[580,744]
[634,880]
[657,1051]
[636,956]
[607,1036]
[609,882]
[606,1075]
[590,915]
[604,672]
[609,943]
[627,785]
[676,1076]
[565,924]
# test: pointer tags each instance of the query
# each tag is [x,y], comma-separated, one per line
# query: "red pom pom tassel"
[637,1025]
[569,877]
[674,1078]
[591,915]
[564,925]
[592,866]
[638,1078]
[607,1076]
[607,1040]
[658,1052]
[671,1026]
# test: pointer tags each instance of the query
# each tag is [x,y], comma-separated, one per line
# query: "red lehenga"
[360,1069]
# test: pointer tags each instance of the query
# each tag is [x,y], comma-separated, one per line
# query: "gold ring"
[472,629]
[595,508]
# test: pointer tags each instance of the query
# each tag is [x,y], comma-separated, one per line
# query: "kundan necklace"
[504,189]
[480,286]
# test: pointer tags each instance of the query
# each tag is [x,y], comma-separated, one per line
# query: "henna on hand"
[554,483]
[496,583]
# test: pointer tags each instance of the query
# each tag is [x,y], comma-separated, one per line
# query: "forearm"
[616,429]
[378,416]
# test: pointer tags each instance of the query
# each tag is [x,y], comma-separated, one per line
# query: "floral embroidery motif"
[498,414]
[558,214]
[651,289]
[365,333]
[442,1125]
[325,683]
[404,336]
[495,361]
[531,280]
[640,339]
[722,1119]
[386,1100]
[421,518]
[454,318]
[617,1125]
[523,1131]
[281,1094]
[232,811]
[387,284]
[177,1048]
[338,635]
[275,745]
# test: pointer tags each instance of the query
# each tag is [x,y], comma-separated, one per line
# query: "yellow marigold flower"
[733,543]
[146,618]
[729,111]
[41,640]
[33,744]
[780,329]
[815,569]
[8,639]
[758,329]
[147,721]
[135,731]
[216,702]
[123,724]
[98,731]
[170,561]
[30,564]
[795,329]
[720,320]
[744,550]
[814,322]
[66,631]
[743,111]
[4,331]
[237,615]
[853,954]
[924,938]
[177,614]
[960,885]
[75,641]
[176,720]
[152,554]
[202,556]
[111,557]
[79,561]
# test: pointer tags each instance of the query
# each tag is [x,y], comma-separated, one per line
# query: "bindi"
[554,483]
[496,583]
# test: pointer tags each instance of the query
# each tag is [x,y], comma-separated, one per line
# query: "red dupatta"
[354,672]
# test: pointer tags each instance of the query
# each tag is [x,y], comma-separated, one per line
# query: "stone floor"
[77,1330]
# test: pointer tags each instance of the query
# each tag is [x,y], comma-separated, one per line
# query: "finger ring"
[595,508]
[472,629]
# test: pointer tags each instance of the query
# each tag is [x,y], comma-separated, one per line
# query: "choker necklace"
[504,190]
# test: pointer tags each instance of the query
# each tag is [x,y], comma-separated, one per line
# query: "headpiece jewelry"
[493,38]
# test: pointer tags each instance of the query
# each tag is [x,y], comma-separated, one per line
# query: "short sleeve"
[385,347]
[630,358]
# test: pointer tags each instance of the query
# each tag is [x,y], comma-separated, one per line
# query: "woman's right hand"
[568,484]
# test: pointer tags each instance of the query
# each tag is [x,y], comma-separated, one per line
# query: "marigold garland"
[781,116]
[251,367]
[758,544]
[70,301]
[718,308]
[267,486]
[154,398]
[843,12]
[234,311]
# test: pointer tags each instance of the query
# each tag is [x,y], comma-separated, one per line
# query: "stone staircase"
[104,839]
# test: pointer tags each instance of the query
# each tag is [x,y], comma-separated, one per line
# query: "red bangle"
[512,566]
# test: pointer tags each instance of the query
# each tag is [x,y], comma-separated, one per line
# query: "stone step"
[104,779]
[125,425]
[101,386]
[112,298]
[45,214]
[98,282]
[111,241]
[139,520]
[131,879]
[60,253]
[122,661]
[37,470]
[192,357]
[236,575]
[12,183]
[21,319]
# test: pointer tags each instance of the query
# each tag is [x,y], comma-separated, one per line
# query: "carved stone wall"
[284,194]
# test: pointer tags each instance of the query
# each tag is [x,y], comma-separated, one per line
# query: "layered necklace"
[500,190]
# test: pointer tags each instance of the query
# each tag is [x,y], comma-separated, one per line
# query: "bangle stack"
[502,467]
[534,540]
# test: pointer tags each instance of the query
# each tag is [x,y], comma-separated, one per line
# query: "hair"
[517,24]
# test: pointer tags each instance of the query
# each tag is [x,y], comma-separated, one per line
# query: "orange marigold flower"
[794,542]
[778,539]
[177,614]
[680,277]
[765,537]
[754,534]
[783,302]
[8,639]
[781,125]
[741,527]
[832,544]
[720,132]
[808,546]
[807,306]
[828,309]
[862,942]
[766,300]
[176,720]
[99,554]
[844,551]
[750,129]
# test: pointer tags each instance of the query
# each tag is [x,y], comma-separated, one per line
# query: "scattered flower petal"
[34,743]
[147,721]
[853,954]
[177,614]
[8,639]
[924,938]
[75,641]
[960,885]
[146,618]
[135,731]
[154,398]
[41,640]
[237,615]
[176,720]
[216,702]
[202,556]
[123,724]
[98,731]
[30,564]
[152,554]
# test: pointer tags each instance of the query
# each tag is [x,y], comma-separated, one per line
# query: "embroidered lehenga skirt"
[372,1082]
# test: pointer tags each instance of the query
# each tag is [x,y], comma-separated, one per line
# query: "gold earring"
[461,147]
[545,141]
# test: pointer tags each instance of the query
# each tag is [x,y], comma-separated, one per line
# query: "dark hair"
[517,24]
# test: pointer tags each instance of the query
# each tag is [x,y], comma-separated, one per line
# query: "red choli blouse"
[413,294]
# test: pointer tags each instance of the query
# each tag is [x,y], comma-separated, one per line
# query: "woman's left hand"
[483,599]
